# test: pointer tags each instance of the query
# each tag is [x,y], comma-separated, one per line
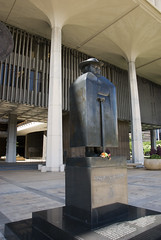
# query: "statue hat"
[90,61]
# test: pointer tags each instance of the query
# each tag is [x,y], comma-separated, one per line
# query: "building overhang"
[112,31]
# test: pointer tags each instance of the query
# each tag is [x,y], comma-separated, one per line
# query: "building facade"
[35,78]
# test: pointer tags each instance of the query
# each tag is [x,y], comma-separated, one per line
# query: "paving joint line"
[143,185]
[38,192]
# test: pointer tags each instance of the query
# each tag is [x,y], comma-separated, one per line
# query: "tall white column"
[44,145]
[136,130]
[158,4]
[11,138]
[158,138]
[54,158]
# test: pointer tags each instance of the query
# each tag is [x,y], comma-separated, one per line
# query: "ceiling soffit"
[110,31]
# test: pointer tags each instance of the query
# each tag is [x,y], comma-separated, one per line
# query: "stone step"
[18,166]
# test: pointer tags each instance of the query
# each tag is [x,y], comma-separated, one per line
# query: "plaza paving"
[25,191]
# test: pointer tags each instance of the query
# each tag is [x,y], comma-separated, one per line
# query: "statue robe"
[85,112]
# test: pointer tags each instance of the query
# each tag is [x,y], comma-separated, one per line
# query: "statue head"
[91,65]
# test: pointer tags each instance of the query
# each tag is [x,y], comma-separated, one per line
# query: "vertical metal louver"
[24,78]
[24,75]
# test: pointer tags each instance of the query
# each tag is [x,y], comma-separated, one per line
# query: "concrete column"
[44,145]
[158,4]
[152,2]
[136,130]
[158,135]
[54,158]
[153,138]
[11,139]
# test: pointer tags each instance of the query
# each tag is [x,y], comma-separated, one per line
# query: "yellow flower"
[104,155]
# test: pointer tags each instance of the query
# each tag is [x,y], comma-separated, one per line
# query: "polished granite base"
[121,222]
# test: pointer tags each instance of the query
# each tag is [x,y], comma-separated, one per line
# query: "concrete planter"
[152,164]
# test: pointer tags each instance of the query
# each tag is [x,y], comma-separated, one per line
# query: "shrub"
[155,156]
[159,150]
[153,151]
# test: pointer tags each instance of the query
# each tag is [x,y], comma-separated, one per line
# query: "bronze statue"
[93,111]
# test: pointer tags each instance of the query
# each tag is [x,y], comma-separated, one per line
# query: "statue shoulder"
[106,81]
[86,76]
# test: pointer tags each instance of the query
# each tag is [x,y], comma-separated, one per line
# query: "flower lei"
[105,155]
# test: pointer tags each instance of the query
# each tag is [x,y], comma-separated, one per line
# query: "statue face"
[95,69]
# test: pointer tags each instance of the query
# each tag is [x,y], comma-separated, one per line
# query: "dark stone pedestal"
[93,183]
[123,222]
[93,186]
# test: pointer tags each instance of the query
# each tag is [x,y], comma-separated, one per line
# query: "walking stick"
[101,101]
